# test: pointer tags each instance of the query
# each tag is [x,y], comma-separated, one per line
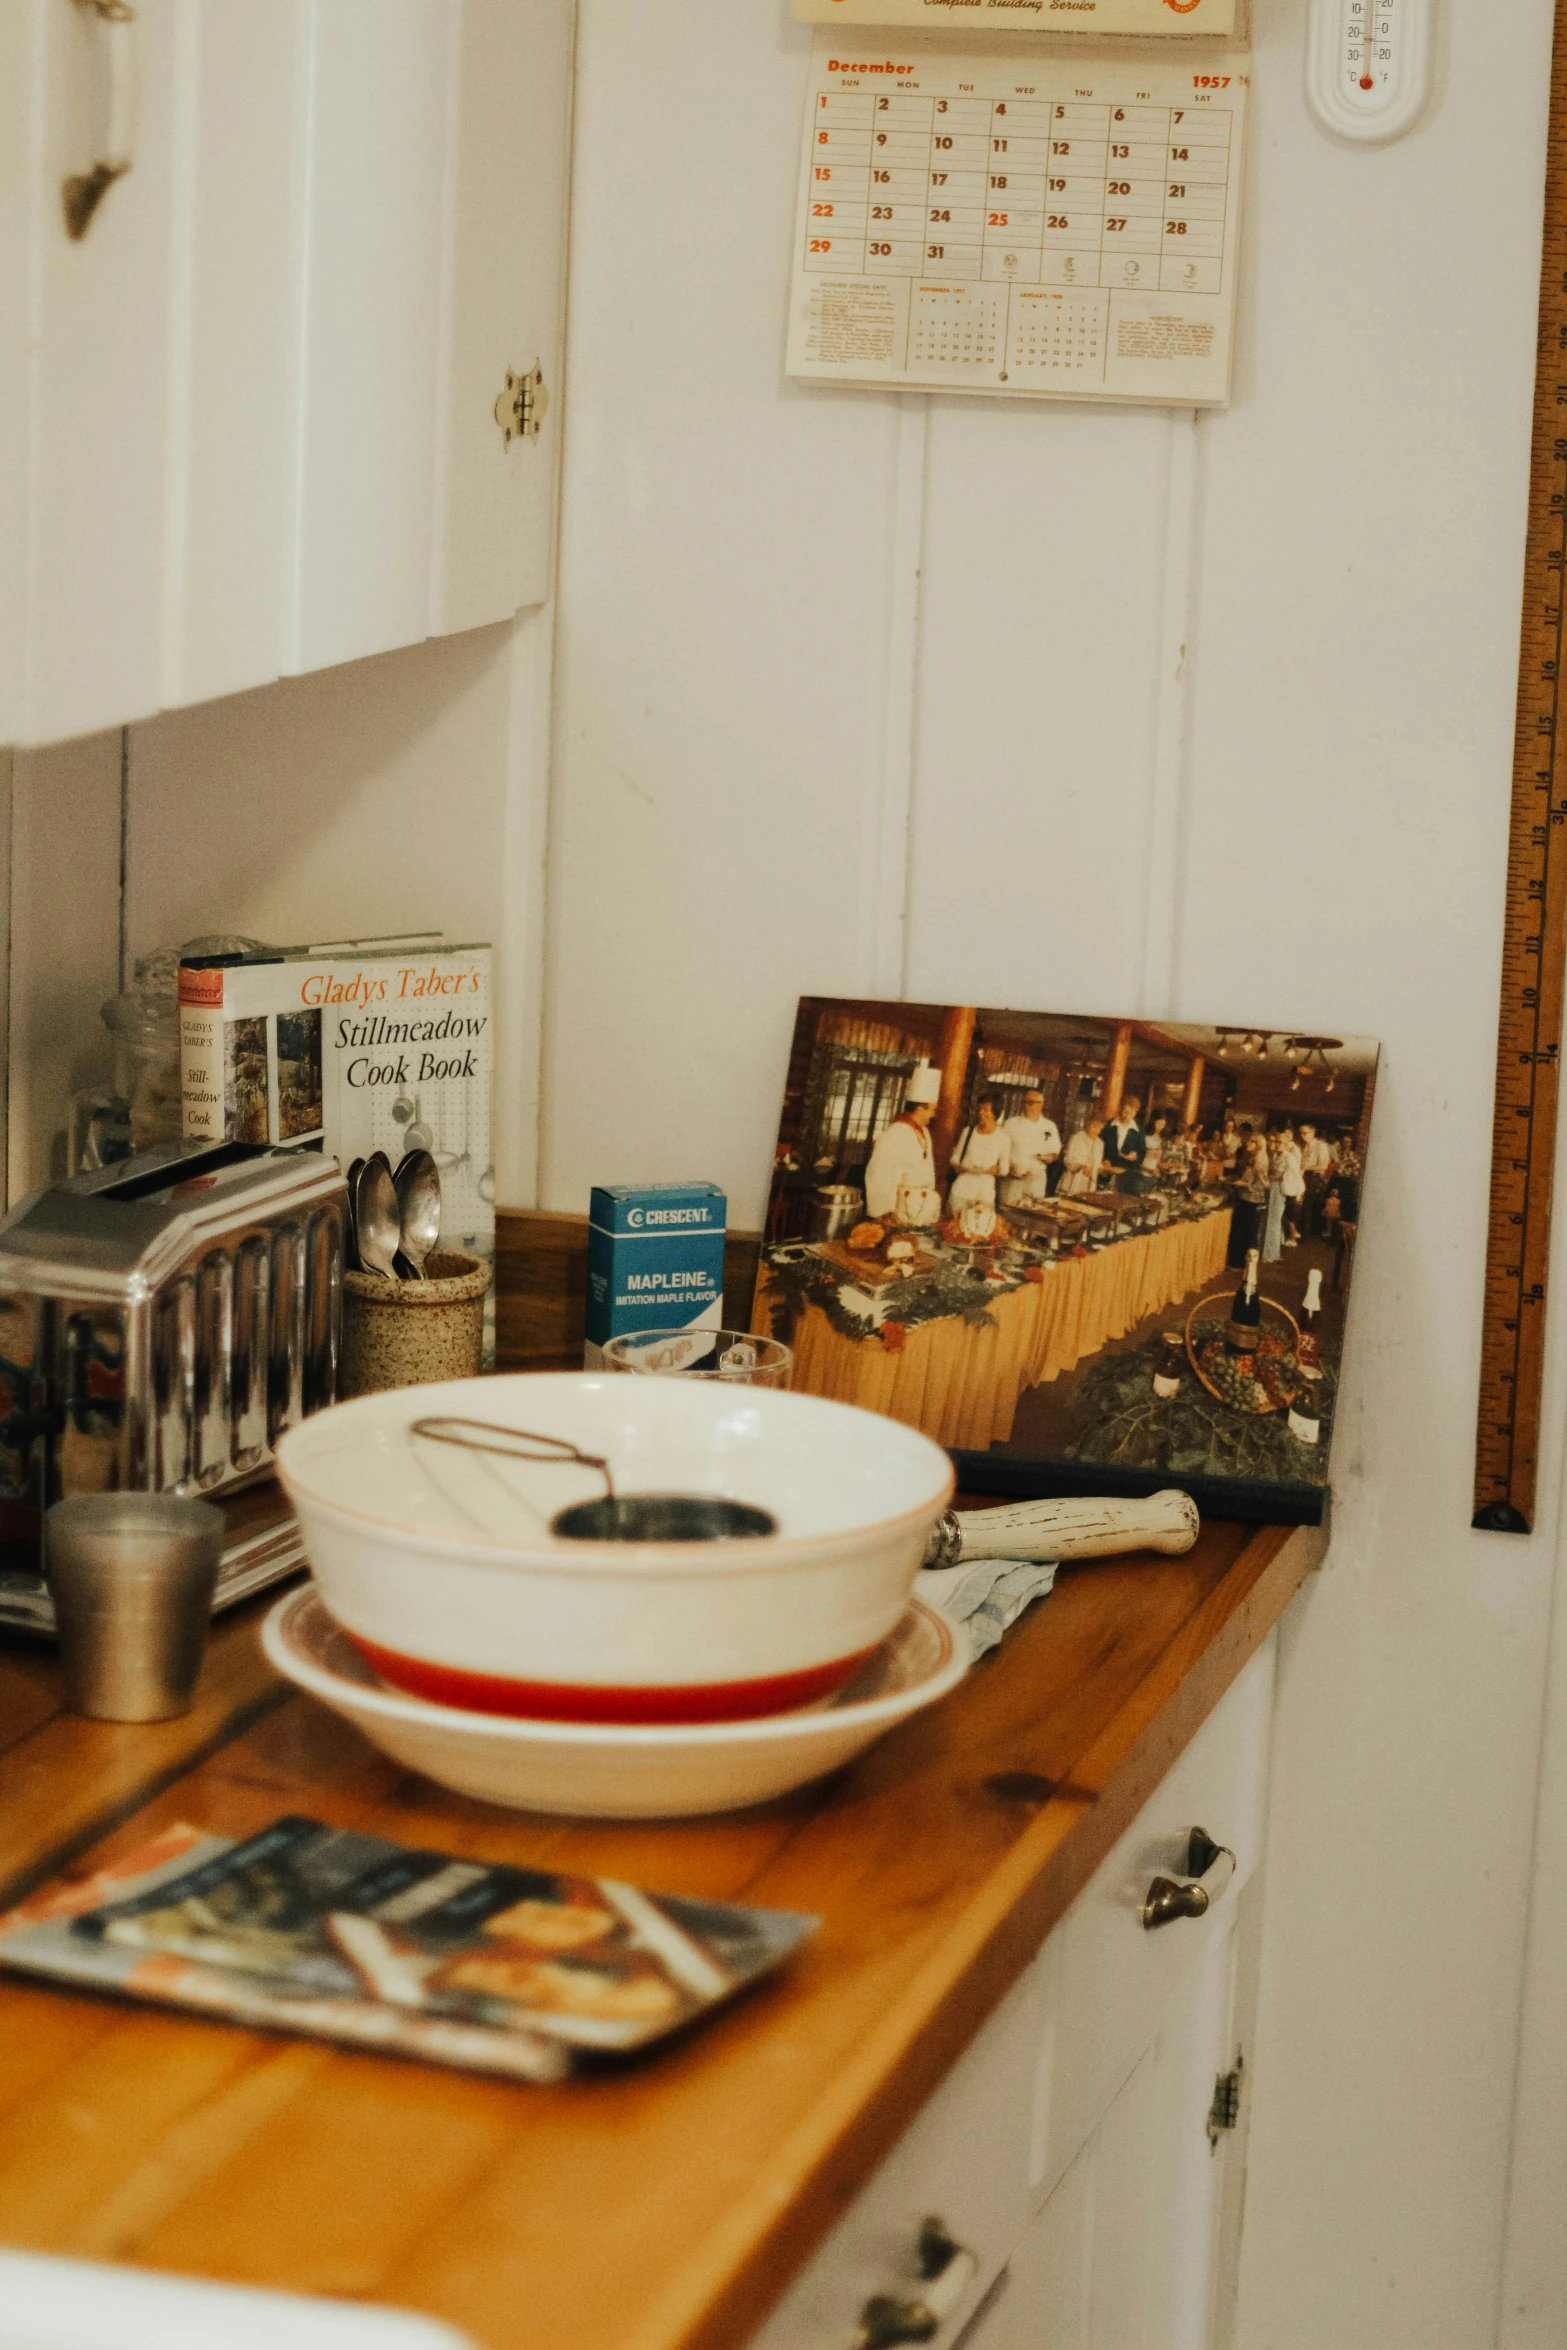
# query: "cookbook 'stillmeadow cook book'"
[350,1048]
[341,1936]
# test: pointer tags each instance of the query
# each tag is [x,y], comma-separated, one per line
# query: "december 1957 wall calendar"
[1010,220]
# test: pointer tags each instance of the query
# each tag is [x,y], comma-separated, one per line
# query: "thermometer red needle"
[1374,32]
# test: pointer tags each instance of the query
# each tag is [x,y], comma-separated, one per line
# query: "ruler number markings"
[1534,932]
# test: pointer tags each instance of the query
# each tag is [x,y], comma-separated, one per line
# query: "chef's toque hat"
[924,1084]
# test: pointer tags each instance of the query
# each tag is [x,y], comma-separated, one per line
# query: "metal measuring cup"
[131,1576]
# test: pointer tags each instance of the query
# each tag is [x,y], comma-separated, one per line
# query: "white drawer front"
[964,2161]
[1105,1981]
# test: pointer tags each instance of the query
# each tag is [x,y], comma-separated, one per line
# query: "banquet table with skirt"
[960,1381]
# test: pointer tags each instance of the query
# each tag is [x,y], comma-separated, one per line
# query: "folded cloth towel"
[986,1597]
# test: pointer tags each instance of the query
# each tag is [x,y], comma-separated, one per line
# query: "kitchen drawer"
[964,2162]
[1104,1980]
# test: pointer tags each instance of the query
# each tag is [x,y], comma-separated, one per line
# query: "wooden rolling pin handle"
[1067,1529]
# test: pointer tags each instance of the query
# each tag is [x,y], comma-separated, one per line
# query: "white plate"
[607,1771]
[50,2304]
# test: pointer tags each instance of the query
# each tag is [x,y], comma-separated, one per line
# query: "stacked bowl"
[470,1634]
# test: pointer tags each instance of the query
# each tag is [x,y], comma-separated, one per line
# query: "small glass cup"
[738,1356]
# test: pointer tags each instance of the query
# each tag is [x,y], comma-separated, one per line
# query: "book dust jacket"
[387,1048]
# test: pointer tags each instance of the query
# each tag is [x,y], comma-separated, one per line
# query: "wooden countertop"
[667,2205]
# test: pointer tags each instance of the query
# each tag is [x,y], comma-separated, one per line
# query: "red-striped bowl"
[441,1566]
[601,1770]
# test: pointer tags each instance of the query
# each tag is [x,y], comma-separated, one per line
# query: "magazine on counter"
[343,1936]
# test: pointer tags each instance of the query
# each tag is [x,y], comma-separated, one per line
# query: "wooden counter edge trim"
[258,1691]
[807,2183]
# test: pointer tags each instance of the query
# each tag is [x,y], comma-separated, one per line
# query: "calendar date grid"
[1031,191]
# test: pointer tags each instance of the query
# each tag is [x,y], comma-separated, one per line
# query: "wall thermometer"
[1368,65]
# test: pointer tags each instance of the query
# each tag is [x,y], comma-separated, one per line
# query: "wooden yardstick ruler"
[1523,1151]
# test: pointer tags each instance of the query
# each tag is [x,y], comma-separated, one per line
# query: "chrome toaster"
[162,1321]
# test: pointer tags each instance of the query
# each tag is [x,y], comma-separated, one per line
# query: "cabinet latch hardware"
[947,2269]
[1225,2111]
[115,99]
[935,2248]
[83,192]
[519,409]
[1201,1852]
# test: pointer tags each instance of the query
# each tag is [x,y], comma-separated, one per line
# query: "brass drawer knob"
[1168,1899]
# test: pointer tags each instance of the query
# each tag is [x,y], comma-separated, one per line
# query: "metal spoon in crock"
[418,1181]
[380,1226]
[356,1169]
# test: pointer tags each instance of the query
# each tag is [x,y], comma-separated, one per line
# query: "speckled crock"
[406,1333]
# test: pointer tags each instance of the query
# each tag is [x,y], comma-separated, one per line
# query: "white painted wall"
[63,843]
[857,691]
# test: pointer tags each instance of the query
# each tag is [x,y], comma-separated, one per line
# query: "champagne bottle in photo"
[1308,1350]
[1246,1311]
[1169,1363]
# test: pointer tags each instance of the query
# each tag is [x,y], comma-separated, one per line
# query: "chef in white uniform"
[1033,1145]
[980,1159]
[900,1174]
[1084,1157]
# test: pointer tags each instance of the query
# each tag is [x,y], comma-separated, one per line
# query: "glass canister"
[103,1129]
[138,1106]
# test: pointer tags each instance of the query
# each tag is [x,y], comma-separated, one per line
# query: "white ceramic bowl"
[608,1770]
[441,1564]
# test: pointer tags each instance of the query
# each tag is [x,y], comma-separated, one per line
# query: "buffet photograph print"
[1086,1255]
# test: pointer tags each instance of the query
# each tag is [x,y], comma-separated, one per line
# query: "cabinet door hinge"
[519,409]
[1225,2111]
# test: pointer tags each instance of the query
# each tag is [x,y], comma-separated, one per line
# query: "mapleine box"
[655,1260]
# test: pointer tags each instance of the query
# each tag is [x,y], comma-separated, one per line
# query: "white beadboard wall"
[1050,705]
[1125,712]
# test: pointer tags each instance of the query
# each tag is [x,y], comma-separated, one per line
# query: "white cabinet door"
[222,608]
[95,324]
[1128,2254]
[247,422]
[375,135]
[495,504]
